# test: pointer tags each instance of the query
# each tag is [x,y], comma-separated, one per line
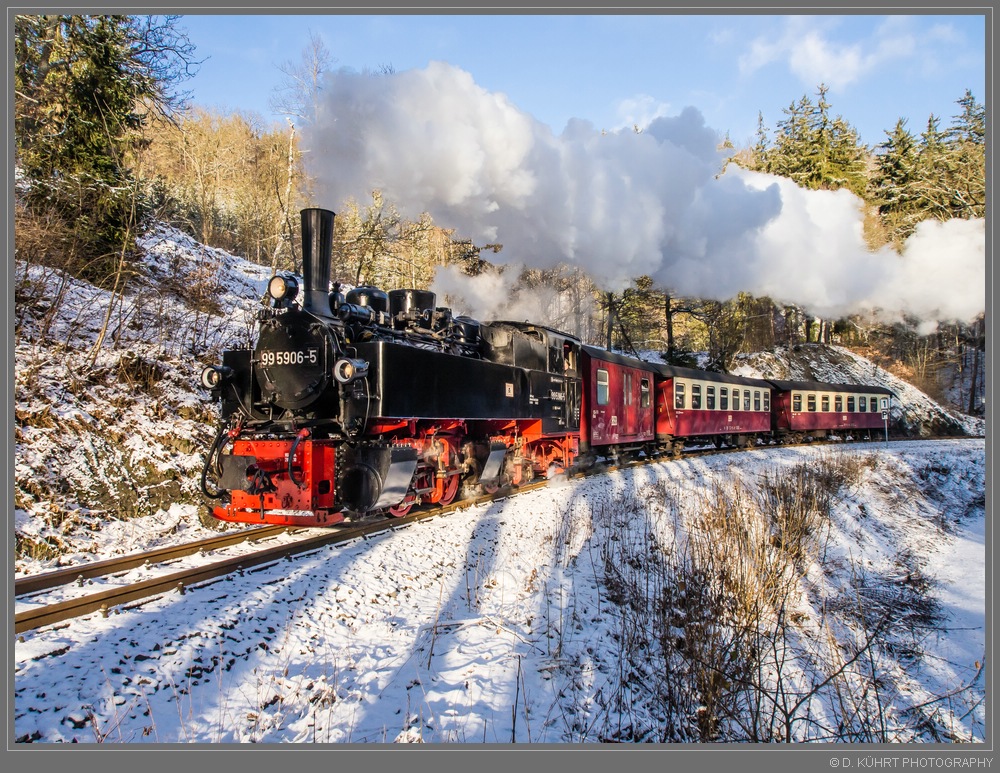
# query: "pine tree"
[816,151]
[951,180]
[891,185]
[84,86]
[966,140]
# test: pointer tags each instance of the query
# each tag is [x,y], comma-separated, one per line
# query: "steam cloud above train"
[622,204]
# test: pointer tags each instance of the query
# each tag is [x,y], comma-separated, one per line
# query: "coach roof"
[674,371]
[820,386]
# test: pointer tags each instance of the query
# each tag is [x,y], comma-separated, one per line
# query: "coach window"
[710,398]
[873,404]
[825,403]
[644,393]
[678,394]
[863,404]
[811,403]
[602,386]
[696,396]
[724,398]
[756,400]
[838,404]
[627,389]
[746,399]
[797,402]
[850,404]
[767,400]
[736,399]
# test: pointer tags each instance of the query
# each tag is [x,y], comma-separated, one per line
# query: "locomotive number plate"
[309,356]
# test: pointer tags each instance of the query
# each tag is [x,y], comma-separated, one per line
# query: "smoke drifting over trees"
[657,202]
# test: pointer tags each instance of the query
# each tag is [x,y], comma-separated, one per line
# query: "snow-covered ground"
[603,609]
[507,623]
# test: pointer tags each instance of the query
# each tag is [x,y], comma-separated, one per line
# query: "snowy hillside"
[913,412]
[849,607]
[103,436]
[626,607]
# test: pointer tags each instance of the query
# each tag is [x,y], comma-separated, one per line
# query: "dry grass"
[717,636]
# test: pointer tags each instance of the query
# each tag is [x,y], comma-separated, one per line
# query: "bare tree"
[297,96]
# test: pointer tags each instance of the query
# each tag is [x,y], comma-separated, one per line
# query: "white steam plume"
[622,204]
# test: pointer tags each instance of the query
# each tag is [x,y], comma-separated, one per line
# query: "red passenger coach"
[813,409]
[694,405]
[617,411]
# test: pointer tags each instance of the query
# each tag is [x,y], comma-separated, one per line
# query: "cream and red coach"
[813,409]
[698,406]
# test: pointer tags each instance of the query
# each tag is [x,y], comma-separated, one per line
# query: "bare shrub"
[718,639]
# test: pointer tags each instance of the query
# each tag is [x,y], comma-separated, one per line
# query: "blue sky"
[619,70]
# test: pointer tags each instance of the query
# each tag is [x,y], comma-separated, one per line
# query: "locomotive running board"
[491,470]
[396,480]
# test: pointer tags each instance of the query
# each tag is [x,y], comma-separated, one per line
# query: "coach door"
[630,413]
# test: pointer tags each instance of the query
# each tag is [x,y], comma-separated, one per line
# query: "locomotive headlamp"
[283,287]
[348,370]
[213,375]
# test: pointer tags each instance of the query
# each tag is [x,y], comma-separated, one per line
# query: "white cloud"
[640,110]
[812,53]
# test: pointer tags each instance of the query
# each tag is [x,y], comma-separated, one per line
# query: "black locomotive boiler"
[374,401]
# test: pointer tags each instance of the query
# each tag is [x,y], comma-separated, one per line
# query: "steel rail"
[38,582]
[104,601]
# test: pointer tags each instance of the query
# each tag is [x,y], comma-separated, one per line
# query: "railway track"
[291,541]
[304,540]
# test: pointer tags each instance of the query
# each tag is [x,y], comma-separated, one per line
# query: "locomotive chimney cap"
[317,259]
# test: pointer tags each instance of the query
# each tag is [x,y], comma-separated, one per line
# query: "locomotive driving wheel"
[451,486]
[404,507]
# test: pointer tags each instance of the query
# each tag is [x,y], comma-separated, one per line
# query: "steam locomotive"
[372,402]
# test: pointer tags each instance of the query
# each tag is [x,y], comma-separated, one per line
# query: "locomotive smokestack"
[317,257]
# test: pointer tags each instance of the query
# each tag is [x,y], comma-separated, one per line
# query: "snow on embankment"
[118,430]
[913,412]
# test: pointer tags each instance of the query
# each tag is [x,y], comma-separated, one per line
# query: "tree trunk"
[975,370]
[611,318]
[670,327]
[283,206]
